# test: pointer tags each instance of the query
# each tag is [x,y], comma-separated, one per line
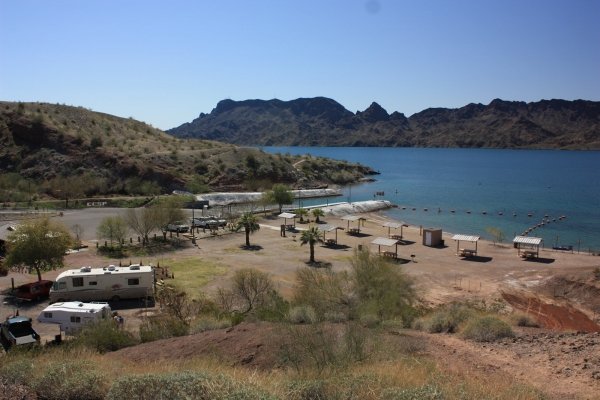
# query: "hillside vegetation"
[69,152]
[546,124]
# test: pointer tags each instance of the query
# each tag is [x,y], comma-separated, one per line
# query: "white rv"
[71,316]
[109,283]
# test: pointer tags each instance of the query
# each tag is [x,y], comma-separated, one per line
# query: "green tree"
[318,213]
[250,225]
[39,244]
[280,194]
[112,229]
[311,236]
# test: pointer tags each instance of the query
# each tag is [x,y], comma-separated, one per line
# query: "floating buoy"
[529,214]
[484,212]
[414,208]
[468,212]
[500,213]
[514,214]
[424,209]
[452,211]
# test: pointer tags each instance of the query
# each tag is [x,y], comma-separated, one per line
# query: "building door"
[427,238]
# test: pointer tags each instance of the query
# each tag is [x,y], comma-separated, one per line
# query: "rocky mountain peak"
[374,113]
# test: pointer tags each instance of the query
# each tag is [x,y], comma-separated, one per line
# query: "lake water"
[513,183]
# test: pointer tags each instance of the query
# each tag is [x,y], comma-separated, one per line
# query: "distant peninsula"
[320,121]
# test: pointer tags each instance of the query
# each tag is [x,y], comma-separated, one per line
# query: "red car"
[37,290]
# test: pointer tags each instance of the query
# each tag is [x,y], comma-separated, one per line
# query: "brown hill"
[549,124]
[58,150]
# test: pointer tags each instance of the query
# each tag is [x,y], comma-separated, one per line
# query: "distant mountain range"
[320,121]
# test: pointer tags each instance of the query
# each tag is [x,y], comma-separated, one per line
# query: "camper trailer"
[71,316]
[109,283]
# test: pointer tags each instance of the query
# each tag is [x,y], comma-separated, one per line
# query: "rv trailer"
[109,283]
[71,316]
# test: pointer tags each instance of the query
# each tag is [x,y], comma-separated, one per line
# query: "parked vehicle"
[208,222]
[71,316]
[177,227]
[34,290]
[108,283]
[16,331]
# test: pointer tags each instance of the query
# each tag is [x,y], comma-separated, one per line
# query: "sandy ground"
[440,275]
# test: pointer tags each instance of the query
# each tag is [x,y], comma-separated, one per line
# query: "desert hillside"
[62,150]
[546,124]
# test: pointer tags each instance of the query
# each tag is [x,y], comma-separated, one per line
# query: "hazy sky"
[164,62]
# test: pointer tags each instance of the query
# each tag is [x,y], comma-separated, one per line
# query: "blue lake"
[513,183]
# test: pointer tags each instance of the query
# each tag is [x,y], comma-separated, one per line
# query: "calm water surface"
[506,182]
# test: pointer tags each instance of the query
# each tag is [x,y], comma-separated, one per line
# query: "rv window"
[47,315]
[76,319]
[62,285]
[77,282]
[93,283]
[133,281]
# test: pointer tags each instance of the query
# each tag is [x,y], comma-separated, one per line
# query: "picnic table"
[390,254]
[396,237]
[353,231]
[528,254]
[467,252]
[330,242]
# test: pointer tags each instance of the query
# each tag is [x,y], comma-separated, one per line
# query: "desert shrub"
[327,292]
[161,327]
[207,323]
[526,320]
[182,385]
[382,288]
[333,316]
[302,315]
[446,319]
[369,320]
[322,347]
[250,289]
[104,336]
[16,372]
[70,380]
[487,329]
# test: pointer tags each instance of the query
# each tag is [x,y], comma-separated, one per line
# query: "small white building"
[71,316]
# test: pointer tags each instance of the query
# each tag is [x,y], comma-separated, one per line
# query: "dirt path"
[562,365]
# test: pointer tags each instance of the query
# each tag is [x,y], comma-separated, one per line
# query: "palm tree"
[249,222]
[301,212]
[318,213]
[311,236]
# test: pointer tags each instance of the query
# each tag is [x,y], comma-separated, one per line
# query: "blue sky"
[164,62]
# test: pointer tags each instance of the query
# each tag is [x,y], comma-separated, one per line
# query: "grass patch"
[193,273]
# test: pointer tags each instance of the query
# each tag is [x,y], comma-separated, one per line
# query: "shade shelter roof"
[328,228]
[533,241]
[381,241]
[465,238]
[287,215]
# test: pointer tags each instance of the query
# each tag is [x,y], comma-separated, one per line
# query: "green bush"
[182,385]
[446,319]
[487,329]
[104,336]
[369,320]
[302,315]
[162,327]
[70,380]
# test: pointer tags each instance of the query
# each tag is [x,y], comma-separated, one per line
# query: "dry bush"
[487,329]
